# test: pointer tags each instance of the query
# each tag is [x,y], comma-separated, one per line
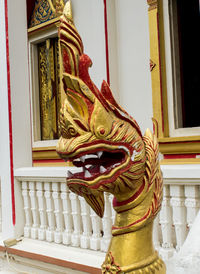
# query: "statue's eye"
[72,131]
[101,131]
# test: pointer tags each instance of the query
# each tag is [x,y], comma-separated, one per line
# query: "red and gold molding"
[179,159]
[180,145]
[47,156]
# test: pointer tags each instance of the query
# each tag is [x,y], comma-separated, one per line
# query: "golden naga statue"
[100,137]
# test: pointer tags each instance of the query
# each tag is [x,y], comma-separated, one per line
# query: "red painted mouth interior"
[96,164]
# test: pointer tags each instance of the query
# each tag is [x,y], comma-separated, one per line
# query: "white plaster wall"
[20,97]
[4,132]
[89,21]
[129,51]
[18,47]
[21,130]
[133,60]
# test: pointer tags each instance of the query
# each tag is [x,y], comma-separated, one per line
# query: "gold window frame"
[44,150]
[168,145]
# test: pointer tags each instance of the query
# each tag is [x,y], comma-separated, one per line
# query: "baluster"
[192,203]
[112,209]
[27,210]
[96,229]
[107,224]
[87,227]
[179,213]
[34,210]
[0,210]
[167,249]
[156,233]
[67,213]
[76,214]
[50,212]
[57,212]
[42,211]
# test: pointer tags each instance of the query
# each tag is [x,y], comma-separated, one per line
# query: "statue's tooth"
[102,169]
[135,153]
[69,174]
[88,166]
[99,153]
[124,148]
[133,156]
[82,158]
[87,174]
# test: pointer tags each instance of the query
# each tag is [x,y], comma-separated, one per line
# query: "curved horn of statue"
[105,142]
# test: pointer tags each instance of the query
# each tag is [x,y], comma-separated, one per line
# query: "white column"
[76,214]
[67,213]
[34,210]
[42,211]
[106,224]
[167,249]
[179,213]
[112,209]
[58,212]
[0,209]
[50,212]
[87,227]
[27,210]
[192,203]
[96,230]
[156,232]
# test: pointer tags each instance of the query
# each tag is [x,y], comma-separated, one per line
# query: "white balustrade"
[55,214]
[96,230]
[58,212]
[27,210]
[166,222]
[107,224]
[42,211]
[50,211]
[76,215]
[68,222]
[192,203]
[0,209]
[87,226]
[34,210]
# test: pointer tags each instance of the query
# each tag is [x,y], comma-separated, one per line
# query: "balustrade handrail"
[55,214]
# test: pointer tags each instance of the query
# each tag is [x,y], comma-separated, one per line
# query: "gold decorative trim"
[159,93]
[45,155]
[49,164]
[186,161]
[53,22]
[183,147]
[152,65]
[152,4]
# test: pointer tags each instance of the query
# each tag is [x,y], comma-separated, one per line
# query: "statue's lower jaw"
[133,252]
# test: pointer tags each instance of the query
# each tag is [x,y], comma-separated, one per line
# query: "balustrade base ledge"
[87,261]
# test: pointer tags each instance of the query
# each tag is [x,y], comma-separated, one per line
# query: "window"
[45,78]
[49,88]
[175,56]
[184,26]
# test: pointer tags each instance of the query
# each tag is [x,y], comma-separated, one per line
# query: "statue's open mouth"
[96,164]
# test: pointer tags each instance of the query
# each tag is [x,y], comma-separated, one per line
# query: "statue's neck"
[139,243]
[134,250]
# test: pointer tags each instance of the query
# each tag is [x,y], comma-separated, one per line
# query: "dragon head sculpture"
[102,140]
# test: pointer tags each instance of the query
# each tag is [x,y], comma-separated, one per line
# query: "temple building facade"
[148,52]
